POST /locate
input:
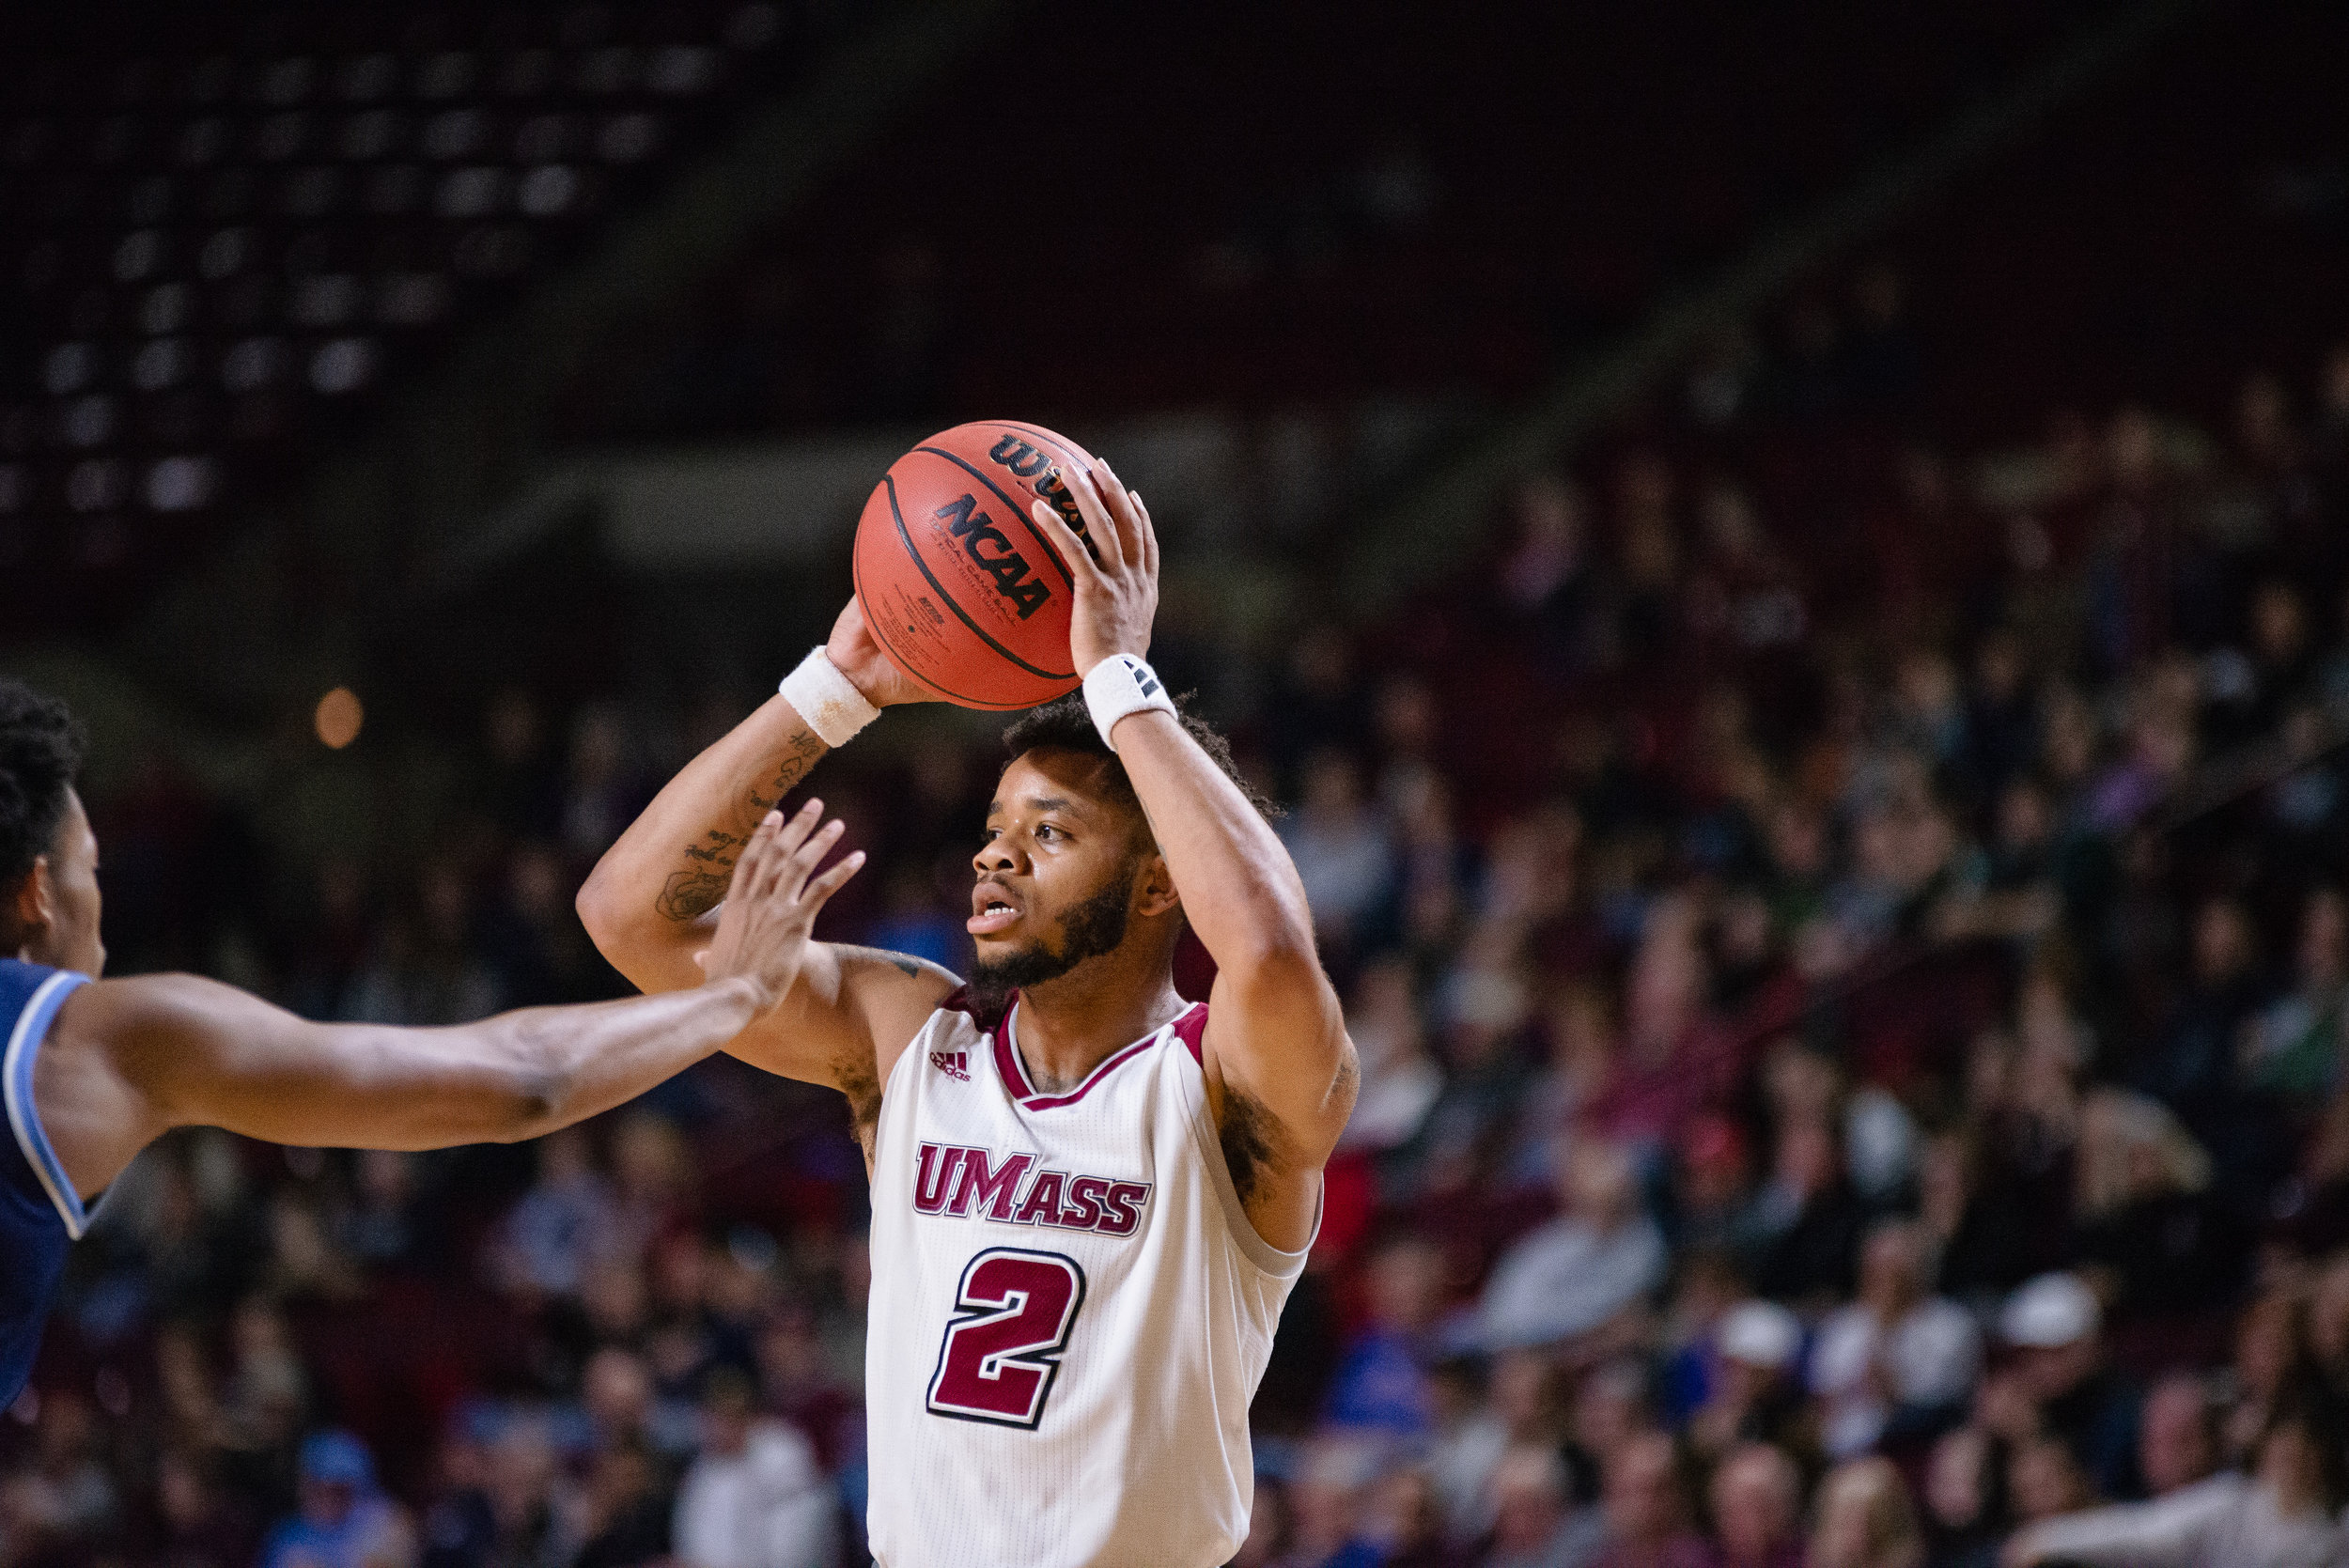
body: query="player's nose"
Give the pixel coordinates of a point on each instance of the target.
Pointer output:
(995, 855)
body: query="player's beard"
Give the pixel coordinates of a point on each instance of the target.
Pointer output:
(1093, 926)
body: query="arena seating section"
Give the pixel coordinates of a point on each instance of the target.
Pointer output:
(223, 227)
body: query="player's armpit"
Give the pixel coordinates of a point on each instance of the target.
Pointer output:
(844, 1026)
(1275, 1034)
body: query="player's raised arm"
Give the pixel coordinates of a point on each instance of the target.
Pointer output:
(171, 1051)
(1274, 1030)
(653, 897)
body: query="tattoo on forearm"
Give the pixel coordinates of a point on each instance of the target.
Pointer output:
(699, 886)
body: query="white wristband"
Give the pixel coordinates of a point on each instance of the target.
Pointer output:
(834, 707)
(1119, 685)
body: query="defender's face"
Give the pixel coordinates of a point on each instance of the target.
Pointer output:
(70, 939)
(1054, 844)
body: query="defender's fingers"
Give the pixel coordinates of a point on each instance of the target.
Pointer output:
(816, 893)
(748, 865)
(807, 856)
(800, 823)
(1097, 520)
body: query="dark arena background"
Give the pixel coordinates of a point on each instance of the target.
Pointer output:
(1789, 564)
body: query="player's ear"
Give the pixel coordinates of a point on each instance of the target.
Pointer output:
(34, 907)
(1156, 892)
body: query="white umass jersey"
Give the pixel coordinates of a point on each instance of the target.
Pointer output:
(1070, 1310)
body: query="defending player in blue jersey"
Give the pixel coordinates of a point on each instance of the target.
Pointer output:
(95, 1070)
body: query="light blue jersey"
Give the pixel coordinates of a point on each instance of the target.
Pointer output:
(41, 1214)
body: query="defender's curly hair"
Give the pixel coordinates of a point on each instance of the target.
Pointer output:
(1065, 724)
(40, 754)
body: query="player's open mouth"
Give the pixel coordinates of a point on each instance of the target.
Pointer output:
(991, 909)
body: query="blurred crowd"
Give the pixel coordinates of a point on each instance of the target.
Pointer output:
(1848, 947)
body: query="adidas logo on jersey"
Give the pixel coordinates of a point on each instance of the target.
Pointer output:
(954, 1064)
(959, 1183)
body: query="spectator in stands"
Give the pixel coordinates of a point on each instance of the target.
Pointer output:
(1900, 1362)
(1865, 1519)
(2292, 1049)
(1381, 1383)
(1331, 1502)
(752, 1497)
(1756, 1393)
(2177, 1443)
(516, 1515)
(1536, 1524)
(1344, 854)
(2060, 1384)
(2271, 1365)
(1575, 1273)
(803, 1387)
(1407, 1522)
(2146, 1219)
(1964, 1493)
(2190, 1065)
(1647, 1508)
(1807, 1218)
(2284, 1514)
(1675, 1057)
(1400, 1081)
(201, 1527)
(625, 1513)
(1551, 578)
(1756, 1501)
(343, 1521)
(62, 1503)
(562, 1224)
(2043, 1481)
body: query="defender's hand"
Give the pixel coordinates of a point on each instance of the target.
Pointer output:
(857, 656)
(770, 907)
(1117, 580)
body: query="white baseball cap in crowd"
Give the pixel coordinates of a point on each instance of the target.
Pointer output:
(2049, 1312)
(1760, 1334)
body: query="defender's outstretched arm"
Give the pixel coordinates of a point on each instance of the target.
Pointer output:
(652, 898)
(139, 1056)
(1276, 1036)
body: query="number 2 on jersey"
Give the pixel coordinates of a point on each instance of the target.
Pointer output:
(1013, 1312)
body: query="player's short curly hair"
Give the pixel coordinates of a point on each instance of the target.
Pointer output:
(40, 754)
(1064, 724)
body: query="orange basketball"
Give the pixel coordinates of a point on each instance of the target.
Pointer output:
(959, 586)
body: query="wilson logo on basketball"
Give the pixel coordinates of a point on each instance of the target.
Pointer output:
(991, 551)
(1019, 457)
(1026, 462)
(969, 1184)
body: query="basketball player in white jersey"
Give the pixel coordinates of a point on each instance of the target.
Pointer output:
(1090, 1198)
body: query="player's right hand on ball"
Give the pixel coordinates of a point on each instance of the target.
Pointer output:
(856, 655)
(770, 906)
(1114, 569)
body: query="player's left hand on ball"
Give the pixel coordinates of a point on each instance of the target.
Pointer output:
(857, 655)
(1117, 580)
(771, 904)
